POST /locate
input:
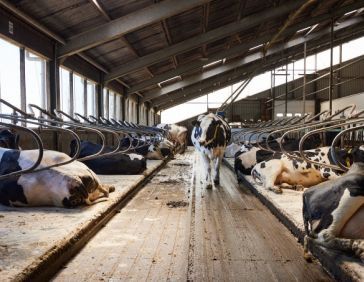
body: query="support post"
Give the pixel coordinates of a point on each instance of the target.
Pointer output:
(85, 97)
(138, 110)
(54, 91)
(23, 102)
(286, 96)
(304, 79)
(331, 82)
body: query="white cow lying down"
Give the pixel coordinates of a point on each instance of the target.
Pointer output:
(68, 185)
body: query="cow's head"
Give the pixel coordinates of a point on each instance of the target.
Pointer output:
(9, 139)
(358, 154)
(206, 128)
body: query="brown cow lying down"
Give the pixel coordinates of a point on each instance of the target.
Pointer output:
(283, 172)
(67, 186)
(333, 213)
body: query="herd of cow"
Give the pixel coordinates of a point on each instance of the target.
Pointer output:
(284, 154)
(42, 177)
(290, 154)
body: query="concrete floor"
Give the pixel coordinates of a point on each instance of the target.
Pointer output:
(28, 236)
(174, 229)
(289, 204)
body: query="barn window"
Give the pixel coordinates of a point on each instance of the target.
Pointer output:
(78, 94)
(65, 90)
(111, 104)
(106, 102)
(91, 98)
(9, 75)
(35, 80)
(118, 107)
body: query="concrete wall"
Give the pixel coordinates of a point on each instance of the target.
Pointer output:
(357, 99)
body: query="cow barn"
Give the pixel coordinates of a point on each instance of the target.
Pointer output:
(194, 140)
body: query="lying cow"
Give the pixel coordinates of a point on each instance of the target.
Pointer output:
(249, 155)
(116, 164)
(177, 135)
(231, 150)
(283, 172)
(333, 213)
(67, 186)
(8, 139)
(210, 136)
(157, 151)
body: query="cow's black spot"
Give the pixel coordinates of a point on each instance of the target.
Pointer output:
(326, 169)
(262, 165)
(295, 164)
(238, 167)
(326, 175)
(10, 190)
(322, 154)
(311, 154)
(316, 160)
(308, 166)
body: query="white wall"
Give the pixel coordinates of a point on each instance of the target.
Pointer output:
(357, 99)
(293, 107)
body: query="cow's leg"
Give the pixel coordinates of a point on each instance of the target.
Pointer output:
(100, 194)
(297, 187)
(270, 174)
(207, 166)
(217, 170)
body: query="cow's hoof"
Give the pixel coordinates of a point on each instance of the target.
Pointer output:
(276, 190)
(209, 186)
(299, 187)
(307, 256)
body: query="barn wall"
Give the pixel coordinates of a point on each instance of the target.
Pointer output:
(294, 107)
(244, 110)
(356, 99)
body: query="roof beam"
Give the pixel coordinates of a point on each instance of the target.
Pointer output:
(225, 80)
(210, 36)
(239, 49)
(270, 62)
(247, 60)
(118, 27)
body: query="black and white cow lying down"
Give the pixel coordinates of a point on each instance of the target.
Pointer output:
(283, 172)
(210, 136)
(249, 155)
(333, 213)
(177, 135)
(67, 186)
(158, 151)
(116, 164)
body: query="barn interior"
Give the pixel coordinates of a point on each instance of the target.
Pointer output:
(107, 72)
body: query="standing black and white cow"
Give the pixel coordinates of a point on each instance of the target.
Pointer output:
(284, 172)
(69, 185)
(333, 213)
(210, 136)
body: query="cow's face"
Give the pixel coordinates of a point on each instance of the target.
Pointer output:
(358, 154)
(8, 139)
(206, 130)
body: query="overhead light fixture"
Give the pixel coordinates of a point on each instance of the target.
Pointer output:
(168, 80)
(350, 13)
(256, 47)
(212, 64)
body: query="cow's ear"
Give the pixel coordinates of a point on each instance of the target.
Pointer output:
(17, 141)
(195, 123)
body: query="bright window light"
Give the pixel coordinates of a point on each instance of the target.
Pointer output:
(289, 115)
